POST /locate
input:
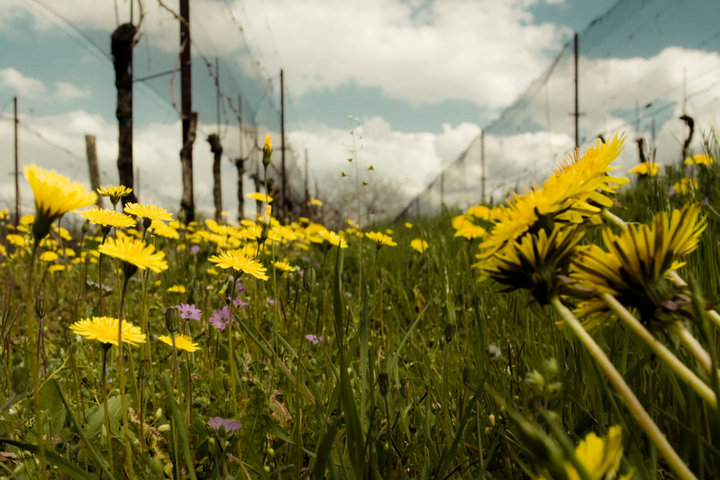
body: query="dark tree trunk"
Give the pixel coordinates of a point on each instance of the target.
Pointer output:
(122, 51)
(187, 204)
(240, 164)
(216, 149)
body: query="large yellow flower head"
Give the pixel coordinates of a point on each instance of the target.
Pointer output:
(105, 330)
(537, 262)
(637, 261)
(134, 252)
(108, 218)
(54, 196)
(576, 191)
(240, 262)
(182, 342)
(150, 212)
(260, 197)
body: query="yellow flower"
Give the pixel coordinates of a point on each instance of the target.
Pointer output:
(115, 192)
(15, 239)
(684, 185)
(238, 261)
(284, 266)
(54, 196)
(151, 212)
(176, 289)
(56, 268)
(268, 144)
(419, 245)
(260, 197)
(108, 218)
(646, 169)
(48, 256)
(27, 220)
(700, 160)
(380, 239)
(135, 252)
(638, 259)
(164, 230)
(408, 225)
(182, 342)
(315, 202)
(105, 330)
(470, 231)
(535, 262)
(480, 211)
(333, 238)
(600, 456)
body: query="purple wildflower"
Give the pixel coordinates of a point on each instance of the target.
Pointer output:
(226, 423)
(220, 318)
(195, 249)
(238, 302)
(239, 287)
(314, 339)
(270, 302)
(189, 311)
(671, 191)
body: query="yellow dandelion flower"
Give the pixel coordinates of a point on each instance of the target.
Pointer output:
(182, 342)
(48, 256)
(108, 218)
(176, 289)
(408, 225)
(314, 202)
(646, 169)
(635, 266)
(4, 213)
(151, 212)
(240, 262)
(105, 330)
(3, 251)
(260, 197)
(16, 240)
(284, 265)
(536, 262)
(114, 192)
(27, 220)
(56, 268)
(684, 185)
(381, 239)
(700, 160)
(333, 238)
(470, 231)
(135, 252)
(54, 196)
(419, 245)
(164, 230)
(480, 211)
(600, 456)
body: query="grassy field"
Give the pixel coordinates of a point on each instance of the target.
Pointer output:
(313, 353)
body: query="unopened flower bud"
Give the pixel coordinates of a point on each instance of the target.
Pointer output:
(267, 150)
(40, 308)
(172, 319)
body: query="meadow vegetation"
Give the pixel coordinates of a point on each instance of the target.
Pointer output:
(567, 333)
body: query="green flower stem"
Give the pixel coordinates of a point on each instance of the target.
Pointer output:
(106, 347)
(121, 381)
(692, 344)
(631, 402)
(679, 368)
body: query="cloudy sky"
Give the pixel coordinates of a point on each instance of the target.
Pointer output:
(419, 77)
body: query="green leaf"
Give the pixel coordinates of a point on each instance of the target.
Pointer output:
(74, 471)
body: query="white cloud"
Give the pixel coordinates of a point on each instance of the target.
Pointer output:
(67, 91)
(34, 88)
(482, 52)
(15, 81)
